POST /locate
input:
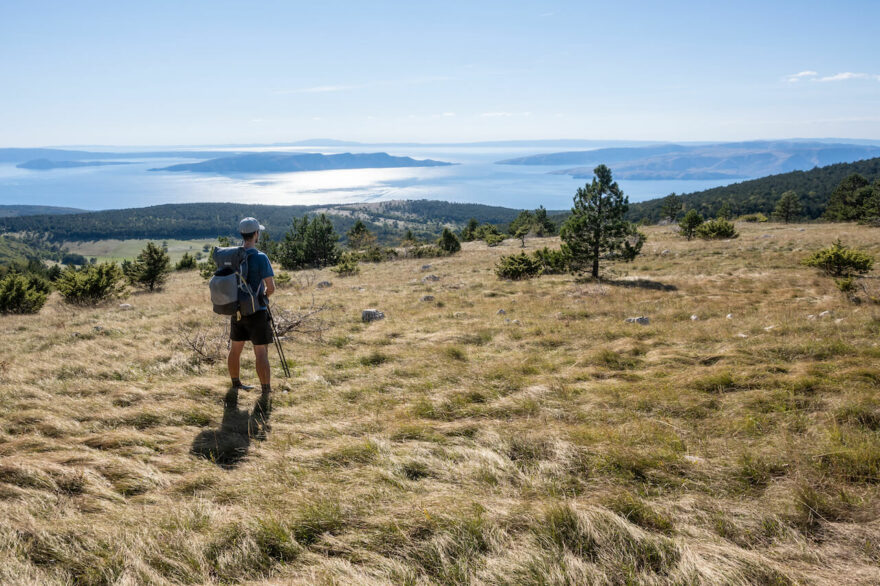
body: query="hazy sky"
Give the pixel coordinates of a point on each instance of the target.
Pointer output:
(192, 72)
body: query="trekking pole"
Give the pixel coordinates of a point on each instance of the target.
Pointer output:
(278, 345)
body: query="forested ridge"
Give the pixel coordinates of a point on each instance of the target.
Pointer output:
(387, 220)
(813, 187)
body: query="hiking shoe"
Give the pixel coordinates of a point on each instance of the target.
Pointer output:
(243, 387)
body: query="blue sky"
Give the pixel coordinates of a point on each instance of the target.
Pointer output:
(193, 72)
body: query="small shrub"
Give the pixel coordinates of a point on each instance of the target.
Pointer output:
(91, 284)
(552, 261)
(518, 266)
(347, 266)
(282, 279)
(206, 269)
(425, 251)
(493, 239)
(22, 294)
(752, 218)
(717, 229)
(840, 261)
(375, 254)
(187, 262)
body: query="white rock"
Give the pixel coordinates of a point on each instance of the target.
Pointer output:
(694, 317)
(430, 278)
(693, 459)
(729, 316)
(427, 298)
(516, 321)
(500, 312)
(369, 315)
(638, 320)
(838, 320)
(811, 316)
(125, 306)
(426, 267)
(741, 336)
(664, 252)
(768, 328)
(825, 313)
(324, 284)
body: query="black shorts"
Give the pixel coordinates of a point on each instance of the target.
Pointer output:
(253, 328)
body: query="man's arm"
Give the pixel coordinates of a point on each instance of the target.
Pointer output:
(269, 285)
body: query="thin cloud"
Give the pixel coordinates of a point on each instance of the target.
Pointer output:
(320, 89)
(846, 75)
(810, 75)
(504, 114)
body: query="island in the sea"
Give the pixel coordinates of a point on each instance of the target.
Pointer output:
(275, 162)
(47, 164)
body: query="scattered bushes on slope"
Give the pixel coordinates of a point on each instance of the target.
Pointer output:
(840, 261)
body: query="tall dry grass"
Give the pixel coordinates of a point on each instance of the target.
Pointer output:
(451, 444)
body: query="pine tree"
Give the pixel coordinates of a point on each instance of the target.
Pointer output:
(359, 237)
(150, 269)
(689, 223)
(846, 202)
(544, 226)
(671, 207)
(449, 242)
(597, 227)
(469, 232)
(789, 207)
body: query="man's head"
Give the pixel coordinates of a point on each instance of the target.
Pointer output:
(250, 229)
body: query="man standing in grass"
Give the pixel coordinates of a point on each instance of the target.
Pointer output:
(254, 328)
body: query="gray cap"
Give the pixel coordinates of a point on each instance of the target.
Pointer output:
(249, 226)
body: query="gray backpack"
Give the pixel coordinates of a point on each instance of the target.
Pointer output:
(230, 292)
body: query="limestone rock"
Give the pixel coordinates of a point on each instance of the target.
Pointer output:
(431, 278)
(125, 306)
(426, 267)
(369, 315)
(427, 298)
(500, 312)
(324, 284)
(642, 320)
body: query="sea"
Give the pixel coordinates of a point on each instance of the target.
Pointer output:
(475, 178)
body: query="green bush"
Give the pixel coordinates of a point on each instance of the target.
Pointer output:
(22, 294)
(187, 262)
(449, 242)
(206, 269)
(493, 239)
(91, 284)
(839, 261)
(347, 265)
(552, 261)
(717, 229)
(425, 251)
(282, 279)
(375, 254)
(752, 218)
(518, 266)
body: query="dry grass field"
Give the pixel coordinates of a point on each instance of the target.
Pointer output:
(452, 444)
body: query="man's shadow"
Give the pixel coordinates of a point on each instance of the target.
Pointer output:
(228, 445)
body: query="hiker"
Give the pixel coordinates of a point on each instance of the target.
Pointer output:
(254, 328)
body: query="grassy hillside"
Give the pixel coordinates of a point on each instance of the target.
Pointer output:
(813, 187)
(451, 444)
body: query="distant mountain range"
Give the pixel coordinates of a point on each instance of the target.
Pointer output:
(709, 161)
(293, 162)
(46, 164)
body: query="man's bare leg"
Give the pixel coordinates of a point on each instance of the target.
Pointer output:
(261, 354)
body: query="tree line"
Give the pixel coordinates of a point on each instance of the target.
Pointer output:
(814, 189)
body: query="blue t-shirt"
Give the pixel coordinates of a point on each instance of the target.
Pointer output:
(259, 268)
